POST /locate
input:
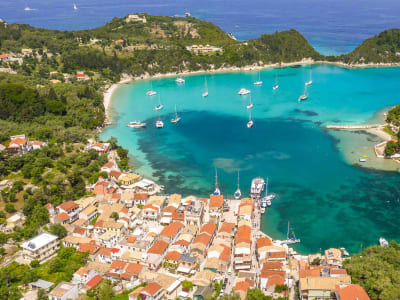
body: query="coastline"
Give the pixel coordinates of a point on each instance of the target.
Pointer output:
(107, 97)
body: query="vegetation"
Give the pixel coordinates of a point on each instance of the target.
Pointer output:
(393, 119)
(377, 270)
(257, 294)
(58, 230)
(187, 285)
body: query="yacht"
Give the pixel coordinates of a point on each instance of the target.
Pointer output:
(177, 118)
(266, 200)
(257, 186)
(258, 82)
(310, 81)
(250, 105)
(363, 159)
(250, 122)
(75, 7)
(151, 92)
(216, 191)
(291, 240)
(304, 96)
(205, 94)
(262, 210)
(159, 123)
(383, 242)
(136, 124)
(27, 8)
(159, 105)
(244, 92)
(180, 80)
(276, 86)
(237, 193)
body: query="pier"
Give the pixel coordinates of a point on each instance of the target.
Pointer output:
(352, 127)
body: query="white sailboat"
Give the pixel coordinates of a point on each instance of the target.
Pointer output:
(290, 240)
(310, 81)
(205, 94)
(27, 8)
(159, 123)
(304, 96)
(243, 92)
(250, 122)
(258, 82)
(266, 200)
(276, 86)
(238, 193)
(75, 7)
(216, 191)
(136, 124)
(159, 106)
(250, 105)
(180, 80)
(151, 92)
(177, 118)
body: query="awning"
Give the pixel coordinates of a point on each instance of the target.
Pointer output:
(182, 269)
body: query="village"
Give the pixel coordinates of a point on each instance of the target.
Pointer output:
(173, 246)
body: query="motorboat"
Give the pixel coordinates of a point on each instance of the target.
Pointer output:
(136, 124)
(159, 123)
(383, 242)
(257, 186)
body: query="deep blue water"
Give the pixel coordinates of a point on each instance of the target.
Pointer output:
(332, 26)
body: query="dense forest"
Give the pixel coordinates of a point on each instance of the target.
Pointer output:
(377, 270)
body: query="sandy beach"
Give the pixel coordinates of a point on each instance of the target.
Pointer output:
(107, 96)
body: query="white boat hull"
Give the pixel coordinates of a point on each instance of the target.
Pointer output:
(176, 120)
(258, 83)
(275, 87)
(250, 124)
(249, 106)
(158, 107)
(205, 94)
(151, 93)
(302, 98)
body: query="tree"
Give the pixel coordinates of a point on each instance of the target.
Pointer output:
(316, 261)
(58, 230)
(115, 216)
(391, 148)
(9, 208)
(34, 263)
(105, 291)
(187, 285)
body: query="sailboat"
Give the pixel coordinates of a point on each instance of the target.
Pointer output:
(310, 81)
(216, 191)
(250, 105)
(258, 82)
(276, 86)
(304, 96)
(266, 200)
(176, 119)
(250, 122)
(159, 106)
(27, 8)
(243, 91)
(159, 123)
(75, 7)
(180, 80)
(151, 92)
(205, 94)
(238, 193)
(293, 239)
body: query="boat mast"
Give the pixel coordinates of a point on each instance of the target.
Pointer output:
(266, 188)
(216, 179)
(250, 115)
(176, 114)
(288, 228)
(205, 78)
(238, 180)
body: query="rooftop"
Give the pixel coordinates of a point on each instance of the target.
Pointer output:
(39, 241)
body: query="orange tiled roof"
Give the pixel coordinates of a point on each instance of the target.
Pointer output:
(275, 280)
(118, 264)
(182, 242)
(173, 255)
(227, 227)
(178, 216)
(272, 265)
(105, 251)
(216, 201)
(243, 235)
(170, 209)
(202, 238)
(92, 248)
(151, 289)
(110, 164)
(115, 174)
(62, 217)
(140, 196)
(171, 230)
(134, 269)
(337, 271)
(303, 273)
(279, 254)
(225, 254)
(68, 206)
(159, 247)
(352, 292)
(131, 239)
(79, 230)
(262, 242)
(208, 228)
(268, 273)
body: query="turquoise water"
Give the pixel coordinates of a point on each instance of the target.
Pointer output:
(329, 199)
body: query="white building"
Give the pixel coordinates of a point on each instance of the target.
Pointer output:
(40, 247)
(64, 291)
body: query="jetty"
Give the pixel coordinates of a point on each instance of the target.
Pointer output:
(352, 127)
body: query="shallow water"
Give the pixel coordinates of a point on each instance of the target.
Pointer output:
(329, 199)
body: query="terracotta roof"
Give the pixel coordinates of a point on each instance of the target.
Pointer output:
(80, 75)
(352, 292)
(159, 247)
(140, 196)
(82, 270)
(268, 273)
(170, 209)
(92, 248)
(173, 255)
(134, 269)
(243, 285)
(62, 217)
(151, 289)
(115, 174)
(48, 205)
(208, 228)
(182, 242)
(272, 265)
(227, 227)
(94, 281)
(3, 56)
(309, 273)
(150, 207)
(105, 251)
(68, 205)
(225, 254)
(216, 201)
(19, 141)
(171, 230)
(178, 216)
(118, 264)
(337, 271)
(202, 238)
(262, 242)
(110, 164)
(116, 195)
(275, 280)
(79, 230)
(279, 254)
(131, 239)
(243, 235)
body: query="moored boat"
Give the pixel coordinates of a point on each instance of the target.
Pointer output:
(205, 94)
(309, 82)
(258, 82)
(243, 92)
(151, 92)
(177, 118)
(383, 242)
(291, 240)
(250, 122)
(159, 105)
(262, 210)
(217, 190)
(159, 123)
(180, 80)
(276, 86)
(257, 186)
(136, 124)
(250, 105)
(304, 96)
(237, 193)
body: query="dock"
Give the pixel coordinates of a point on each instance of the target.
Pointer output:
(352, 127)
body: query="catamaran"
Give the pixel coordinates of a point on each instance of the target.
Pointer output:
(276, 86)
(238, 193)
(250, 122)
(176, 119)
(244, 92)
(310, 81)
(180, 80)
(151, 92)
(136, 124)
(304, 96)
(216, 191)
(258, 82)
(250, 105)
(205, 94)
(75, 7)
(257, 186)
(159, 123)
(266, 200)
(159, 106)
(293, 239)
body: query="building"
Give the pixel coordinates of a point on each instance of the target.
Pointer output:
(19, 144)
(81, 76)
(203, 49)
(99, 147)
(351, 292)
(152, 291)
(194, 213)
(320, 288)
(67, 212)
(40, 248)
(136, 18)
(333, 257)
(129, 178)
(64, 291)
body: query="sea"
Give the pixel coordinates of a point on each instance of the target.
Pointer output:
(331, 26)
(327, 195)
